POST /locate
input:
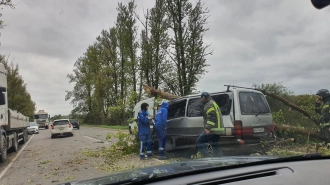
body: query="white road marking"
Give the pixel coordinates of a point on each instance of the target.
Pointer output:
(92, 138)
(7, 168)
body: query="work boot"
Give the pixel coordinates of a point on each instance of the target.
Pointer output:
(162, 157)
(142, 157)
(149, 155)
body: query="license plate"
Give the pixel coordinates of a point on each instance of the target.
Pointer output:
(258, 129)
(61, 128)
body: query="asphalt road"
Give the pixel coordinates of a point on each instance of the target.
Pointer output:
(52, 161)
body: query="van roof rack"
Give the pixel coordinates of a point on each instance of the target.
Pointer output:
(229, 86)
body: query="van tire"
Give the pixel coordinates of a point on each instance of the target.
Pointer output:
(169, 144)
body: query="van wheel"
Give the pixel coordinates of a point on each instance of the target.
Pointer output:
(169, 144)
(3, 149)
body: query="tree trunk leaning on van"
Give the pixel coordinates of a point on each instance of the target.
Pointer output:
(302, 131)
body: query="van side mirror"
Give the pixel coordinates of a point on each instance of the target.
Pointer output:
(319, 4)
(2, 99)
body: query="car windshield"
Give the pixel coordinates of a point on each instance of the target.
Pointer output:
(40, 116)
(33, 124)
(148, 83)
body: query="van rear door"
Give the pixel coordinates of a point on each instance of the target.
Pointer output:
(254, 113)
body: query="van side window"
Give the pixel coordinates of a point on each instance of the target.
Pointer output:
(223, 102)
(177, 109)
(195, 107)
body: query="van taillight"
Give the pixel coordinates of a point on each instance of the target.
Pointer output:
(69, 125)
(270, 128)
(52, 126)
(238, 129)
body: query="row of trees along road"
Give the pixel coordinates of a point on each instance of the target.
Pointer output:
(18, 97)
(168, 54)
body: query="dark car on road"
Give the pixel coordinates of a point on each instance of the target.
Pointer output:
(75, 123)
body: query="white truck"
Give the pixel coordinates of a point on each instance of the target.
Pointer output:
(13, 125)
(42, 119)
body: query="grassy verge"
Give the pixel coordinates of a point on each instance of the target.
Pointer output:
(118, 127)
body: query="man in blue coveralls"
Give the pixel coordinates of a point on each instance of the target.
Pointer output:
(144, 131)
(160, 127)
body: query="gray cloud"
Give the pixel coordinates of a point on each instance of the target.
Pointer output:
(253, 42)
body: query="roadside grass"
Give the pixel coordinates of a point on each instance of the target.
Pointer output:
(117, 127)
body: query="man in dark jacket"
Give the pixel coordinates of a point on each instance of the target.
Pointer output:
(160, 128)
(213, 127)
(144, 131)
(324, 95)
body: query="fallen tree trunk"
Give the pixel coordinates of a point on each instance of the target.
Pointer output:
(298, 130)
(157, 93)
(293, 106)
(285, 141)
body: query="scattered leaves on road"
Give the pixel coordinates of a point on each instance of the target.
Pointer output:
(67, 178)
(45, 162)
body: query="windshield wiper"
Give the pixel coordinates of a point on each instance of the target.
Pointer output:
(136, 179)
(307, 156)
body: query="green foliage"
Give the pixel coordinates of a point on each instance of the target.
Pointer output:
(125, 146)
(106, 76)
(278, 117)
(284, 114)
(18, 97)
(189, 58)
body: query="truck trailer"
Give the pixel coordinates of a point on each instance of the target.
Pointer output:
(13, 125)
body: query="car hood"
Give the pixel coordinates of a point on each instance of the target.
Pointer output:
(171, 169)
(31, 127)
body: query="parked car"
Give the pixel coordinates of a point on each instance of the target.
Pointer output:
(33, 128)
(246, 116)
(75, 123)
(61, 127)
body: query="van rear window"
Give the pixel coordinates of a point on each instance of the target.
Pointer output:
(253, 103)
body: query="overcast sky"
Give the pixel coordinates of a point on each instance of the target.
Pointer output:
(253, 41)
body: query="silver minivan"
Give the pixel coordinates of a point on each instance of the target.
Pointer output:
(246, 115)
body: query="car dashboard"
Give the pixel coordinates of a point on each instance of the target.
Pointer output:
(293, 173)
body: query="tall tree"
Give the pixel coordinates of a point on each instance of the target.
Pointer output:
(127, 44)
(188, 25)
(18, 97)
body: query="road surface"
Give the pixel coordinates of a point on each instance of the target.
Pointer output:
(52, 161)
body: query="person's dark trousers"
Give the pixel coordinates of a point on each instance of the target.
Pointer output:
(213, 140)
